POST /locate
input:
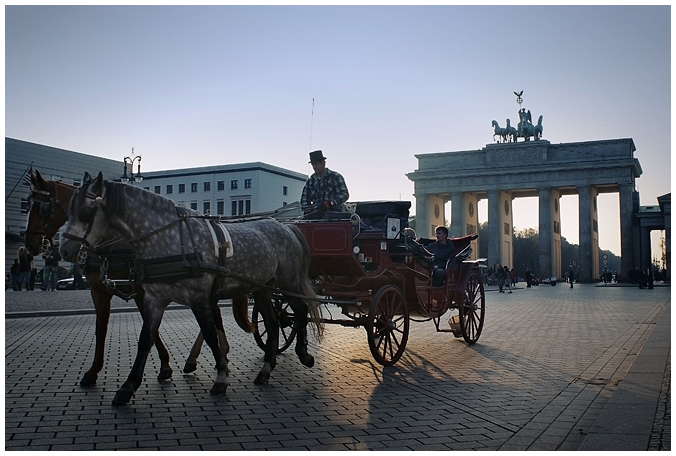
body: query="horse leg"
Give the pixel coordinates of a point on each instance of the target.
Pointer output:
(102, 306)
(191, 362)
(152, 317)
(264, 306)
(208, 325)
(300, 311)
(165, 369)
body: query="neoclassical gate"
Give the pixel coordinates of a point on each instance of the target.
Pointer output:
(504, 171)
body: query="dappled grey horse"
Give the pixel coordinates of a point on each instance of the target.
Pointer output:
(181, 257)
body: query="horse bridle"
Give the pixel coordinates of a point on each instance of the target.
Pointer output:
(46, 209)
(86, 215)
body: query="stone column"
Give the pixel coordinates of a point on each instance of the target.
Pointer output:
(588, 232)
(627, 228)
(494, 228)
(457, 215)
(422, 220)
(646, 260)
(545, 231)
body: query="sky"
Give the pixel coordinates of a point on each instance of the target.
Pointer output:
(372, 86)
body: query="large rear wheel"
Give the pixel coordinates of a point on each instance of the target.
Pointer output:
(285, 318)
(473, 309)
(388, 325)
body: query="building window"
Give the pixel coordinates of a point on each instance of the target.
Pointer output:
(146, 188)
(207, 186)
(157, 189)
(170, 189)
(207, 208)
(220, 185)
(241, 206)
(193, 187)
(77, 182)
(247, 183)
(220, 207)
(181, 188)
(233, 184)
(285, 190)
(24, 206)
(193, 205)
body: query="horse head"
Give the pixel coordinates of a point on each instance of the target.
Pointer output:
(48, 212)
(88, 223)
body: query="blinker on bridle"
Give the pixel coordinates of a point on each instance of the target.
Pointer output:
(46, 210)
(85, 215)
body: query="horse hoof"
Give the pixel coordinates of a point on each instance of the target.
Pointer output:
(165, 374)
(89, 379)
(122, 397)
(219, 388)
(189, 367)
(262, 378)
(308, 360)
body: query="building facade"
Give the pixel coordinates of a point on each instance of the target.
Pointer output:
(502, 172)
(228, 190)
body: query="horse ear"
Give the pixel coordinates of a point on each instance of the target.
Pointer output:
(38, 179)
(87, 178)
(97, 184)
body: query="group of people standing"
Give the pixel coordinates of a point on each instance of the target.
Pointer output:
(24, 274)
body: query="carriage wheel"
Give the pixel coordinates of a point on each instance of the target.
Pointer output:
(387, 326)
(287, 324)
(473, 308)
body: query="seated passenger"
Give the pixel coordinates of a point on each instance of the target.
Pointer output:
(325, 191)
(442, 249)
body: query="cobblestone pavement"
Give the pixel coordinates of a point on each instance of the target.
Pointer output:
(539, 378)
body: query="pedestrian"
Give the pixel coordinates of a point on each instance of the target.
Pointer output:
(513, 276)
(571, 277)
(52, 258)
(500, 273)
(15, 271)
(508, 279)
(34, 275)
(529, 278)
(324, 192)
(25, 260)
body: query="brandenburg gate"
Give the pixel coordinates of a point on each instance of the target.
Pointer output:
(503, 171)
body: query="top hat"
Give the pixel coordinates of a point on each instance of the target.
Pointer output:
(317, 156)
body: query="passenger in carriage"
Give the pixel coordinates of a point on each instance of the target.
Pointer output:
(324, 192)
(442, 249)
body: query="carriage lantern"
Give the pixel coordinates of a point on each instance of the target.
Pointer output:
(130, 161)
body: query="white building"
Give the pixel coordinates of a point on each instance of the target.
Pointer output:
(228, 190)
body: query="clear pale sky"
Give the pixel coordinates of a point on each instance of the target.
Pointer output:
(211, 85)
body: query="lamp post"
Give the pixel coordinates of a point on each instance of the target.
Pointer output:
(131, 177)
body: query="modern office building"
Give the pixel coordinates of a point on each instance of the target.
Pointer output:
(234, 189)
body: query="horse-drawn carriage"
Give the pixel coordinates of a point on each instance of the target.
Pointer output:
(371, 266)
(367, 263)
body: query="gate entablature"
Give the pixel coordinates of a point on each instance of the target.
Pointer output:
(524, 167)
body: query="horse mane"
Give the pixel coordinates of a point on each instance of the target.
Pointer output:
(115, 201)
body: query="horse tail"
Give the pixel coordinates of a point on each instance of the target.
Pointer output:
(314, 308)
(240, 310)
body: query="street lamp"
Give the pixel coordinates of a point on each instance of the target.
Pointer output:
(130, 161)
